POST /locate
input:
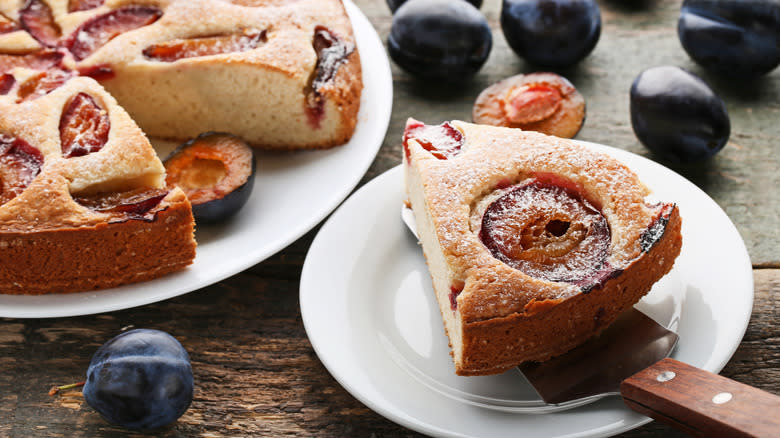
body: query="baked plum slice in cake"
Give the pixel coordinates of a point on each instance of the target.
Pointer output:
(37, 19)
(175, 50)
(216, 171)
(20, 163)
(97, 31)
(542, 102)
(534, 243)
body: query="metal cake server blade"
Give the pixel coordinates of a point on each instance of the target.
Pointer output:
(630, 359)
(596, 368)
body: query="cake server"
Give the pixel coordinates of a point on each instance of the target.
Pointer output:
(630, 359)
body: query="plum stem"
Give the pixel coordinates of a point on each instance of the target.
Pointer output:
(56, 389)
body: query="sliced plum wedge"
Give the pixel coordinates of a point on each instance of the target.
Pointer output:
(7, 82)
(39, 60)
(84, 5)
(7, 25)
(548, 231)
(84, 126)
(175, 50)
(331, 52)
(42, 83)
(97, 31)
(217, 173)
(37, 19)
(20, 163)
(137, 203)
(442, 141)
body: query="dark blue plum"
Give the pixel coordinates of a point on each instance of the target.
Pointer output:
(735, 38)
(395, 4)
(441, 40)
(676, 115)
(553, 33)
(140, 379)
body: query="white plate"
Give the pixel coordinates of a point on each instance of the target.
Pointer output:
(370, 313)
(293, 193)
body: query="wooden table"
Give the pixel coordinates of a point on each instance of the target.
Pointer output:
(255, 370)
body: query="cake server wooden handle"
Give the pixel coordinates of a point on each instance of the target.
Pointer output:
(702, 403)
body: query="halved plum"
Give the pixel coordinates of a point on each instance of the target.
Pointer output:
(216, 171)
(542, 102)
(549, 232)
(20, 163)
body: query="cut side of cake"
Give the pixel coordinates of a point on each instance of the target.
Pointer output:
(83, 202)
(279, 74)
(534, 243)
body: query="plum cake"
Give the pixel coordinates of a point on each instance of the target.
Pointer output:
(83, 200)
(281, 74)
(534, 243)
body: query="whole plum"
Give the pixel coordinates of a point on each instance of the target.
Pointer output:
(737, 38)
(442, 40)
(395, 4)
(676, 115)
(555, 33)
(140, 379)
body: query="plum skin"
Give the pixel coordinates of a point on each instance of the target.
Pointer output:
(554, 33)
(675, 114)
(441, 40)
(395, 4)
(734, 38)
(141, 379)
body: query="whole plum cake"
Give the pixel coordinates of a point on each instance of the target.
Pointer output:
(281, 74)
(534, 243)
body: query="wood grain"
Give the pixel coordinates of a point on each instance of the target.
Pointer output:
(255, 370)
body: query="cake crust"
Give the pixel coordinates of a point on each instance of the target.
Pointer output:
(497, 316)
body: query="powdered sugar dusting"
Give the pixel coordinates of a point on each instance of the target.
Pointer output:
(547, 232)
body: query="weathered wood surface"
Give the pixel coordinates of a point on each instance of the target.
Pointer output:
(256, 373)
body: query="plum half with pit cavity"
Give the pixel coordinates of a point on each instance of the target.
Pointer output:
(217, 173)
(541, 102)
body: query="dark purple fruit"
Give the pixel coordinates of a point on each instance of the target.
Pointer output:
(555, 33)
(216, 171)
(676, 115)
(141, 379)
(547, 231)
(395, 4)
(441, 40)
(737, 38)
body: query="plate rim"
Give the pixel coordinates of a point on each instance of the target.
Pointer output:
(419, 425)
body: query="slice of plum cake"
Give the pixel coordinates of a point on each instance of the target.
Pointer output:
(534, 243)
